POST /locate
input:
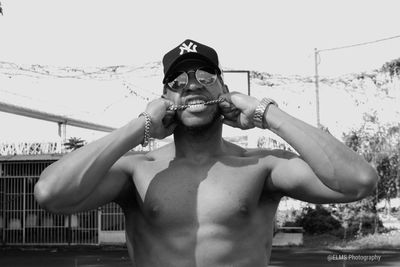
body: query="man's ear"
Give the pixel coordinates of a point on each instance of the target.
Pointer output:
(225, 89)
(164, 93)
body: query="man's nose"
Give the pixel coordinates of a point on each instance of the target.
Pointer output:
(193, 84)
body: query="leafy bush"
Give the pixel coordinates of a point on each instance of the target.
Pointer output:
(393, 67)
(318, 221)
(367, 222)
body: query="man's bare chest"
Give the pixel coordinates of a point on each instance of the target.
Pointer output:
(182, 193)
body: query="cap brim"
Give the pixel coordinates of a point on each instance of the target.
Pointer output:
(188, 56)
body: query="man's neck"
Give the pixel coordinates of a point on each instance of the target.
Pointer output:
(199, 145)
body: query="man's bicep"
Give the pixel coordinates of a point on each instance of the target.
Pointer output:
(111, 187)
(294, 178)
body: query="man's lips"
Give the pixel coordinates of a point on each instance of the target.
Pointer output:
(195, 99)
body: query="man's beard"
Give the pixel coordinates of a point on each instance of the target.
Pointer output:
(200, 129)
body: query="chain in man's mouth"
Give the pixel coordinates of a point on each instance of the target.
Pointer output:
(183, 107)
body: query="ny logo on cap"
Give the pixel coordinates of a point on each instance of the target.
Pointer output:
(188, 48)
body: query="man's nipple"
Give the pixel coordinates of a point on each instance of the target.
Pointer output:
(154, 211)
(244, 210)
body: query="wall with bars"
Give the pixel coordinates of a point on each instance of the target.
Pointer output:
(24, 222)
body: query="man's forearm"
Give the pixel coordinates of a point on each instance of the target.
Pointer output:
(72, 178)
(336, 165)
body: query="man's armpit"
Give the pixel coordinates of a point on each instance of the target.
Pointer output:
(126, 197)
(271, 191)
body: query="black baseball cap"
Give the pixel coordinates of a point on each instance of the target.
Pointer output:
(190, 49)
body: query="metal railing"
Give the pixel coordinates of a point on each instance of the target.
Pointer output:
(24, 222)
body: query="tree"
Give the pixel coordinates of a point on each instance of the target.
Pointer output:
(74, 143)
(388, 171)
(379, 145)
(393, 67)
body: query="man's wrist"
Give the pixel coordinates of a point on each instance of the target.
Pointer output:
(147, 125)
(259, 117)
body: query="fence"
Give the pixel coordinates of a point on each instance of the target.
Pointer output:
(23, 222)
(27, 148)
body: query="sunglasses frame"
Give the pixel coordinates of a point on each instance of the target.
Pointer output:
(195, 75)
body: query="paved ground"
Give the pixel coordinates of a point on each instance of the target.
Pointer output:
(281, 257)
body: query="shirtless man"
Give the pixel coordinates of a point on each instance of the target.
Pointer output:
(202, 201)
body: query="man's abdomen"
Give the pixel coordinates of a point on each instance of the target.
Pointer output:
(192, 216)
(244, 243)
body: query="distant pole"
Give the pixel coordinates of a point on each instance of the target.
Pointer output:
(317, 86)
(248, 82)
(62, 131)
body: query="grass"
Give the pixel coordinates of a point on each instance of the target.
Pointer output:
(321, 241)
(389, 240)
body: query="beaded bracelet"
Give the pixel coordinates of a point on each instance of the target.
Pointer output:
(147, 125)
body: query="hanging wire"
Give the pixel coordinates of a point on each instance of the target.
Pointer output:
(359, 44)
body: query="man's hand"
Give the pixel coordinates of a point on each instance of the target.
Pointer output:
(238, 110)
(163, 123)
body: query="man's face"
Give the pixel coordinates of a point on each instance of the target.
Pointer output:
(194, 94)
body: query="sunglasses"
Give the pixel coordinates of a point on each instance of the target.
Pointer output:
(204, 75)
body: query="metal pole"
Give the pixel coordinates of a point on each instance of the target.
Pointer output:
(248, 82)
(99, 234)
(3, 214)
(62, 133)
(317, 86)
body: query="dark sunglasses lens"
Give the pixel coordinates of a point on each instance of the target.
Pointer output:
(179, 81)
(206, 75)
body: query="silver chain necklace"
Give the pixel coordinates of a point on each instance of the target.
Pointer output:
(182, 107)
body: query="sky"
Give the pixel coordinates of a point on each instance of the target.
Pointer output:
(268, 36)
(272, 36)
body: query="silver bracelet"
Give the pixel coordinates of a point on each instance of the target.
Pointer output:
(147, 125)
(261, 109)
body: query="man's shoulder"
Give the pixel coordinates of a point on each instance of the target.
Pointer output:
(131, 159)
(152, 155)
(134, 156)
(264, 153)
(259, 153)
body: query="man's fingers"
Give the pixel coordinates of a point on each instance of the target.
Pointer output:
(168, 119)
(226, 97)
(170, 113)
(231, 100)
(230, 122)
(231, 114)
(172, 127)
(226, 106)
(167, 103)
